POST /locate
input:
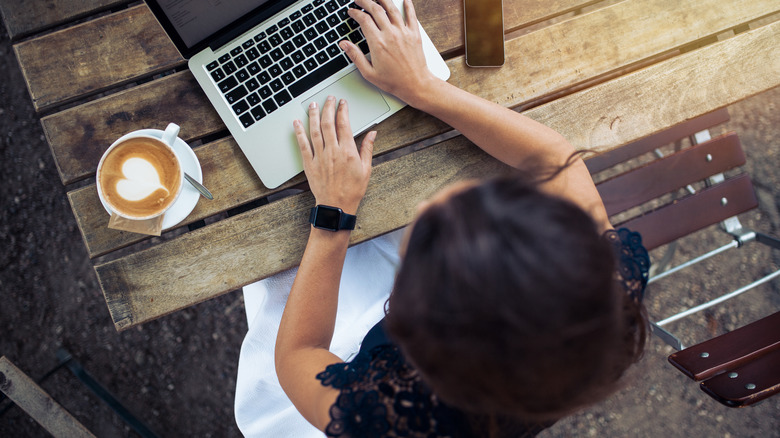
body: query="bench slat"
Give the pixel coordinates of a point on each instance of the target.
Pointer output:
(614, 157)
(662, 176)
(707, 203)
(729, 350)
(764, 373)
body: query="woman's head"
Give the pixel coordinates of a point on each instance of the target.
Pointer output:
(505, 303)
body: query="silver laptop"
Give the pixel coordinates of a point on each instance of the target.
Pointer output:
(261, 62)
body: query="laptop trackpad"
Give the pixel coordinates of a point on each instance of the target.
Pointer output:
(365, 101)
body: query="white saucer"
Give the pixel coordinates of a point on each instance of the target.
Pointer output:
(188, 198)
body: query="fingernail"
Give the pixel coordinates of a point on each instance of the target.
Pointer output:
(297, 123)
(342, 102)
(313, 105)
(331, 98)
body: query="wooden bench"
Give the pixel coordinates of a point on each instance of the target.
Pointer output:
(741, 367)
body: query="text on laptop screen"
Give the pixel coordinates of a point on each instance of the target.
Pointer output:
(195, 20)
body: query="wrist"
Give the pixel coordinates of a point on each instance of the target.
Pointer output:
(331, 218)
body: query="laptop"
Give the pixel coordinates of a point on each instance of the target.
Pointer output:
(261, 62)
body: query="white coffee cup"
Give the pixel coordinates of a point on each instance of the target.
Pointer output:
(140, 176)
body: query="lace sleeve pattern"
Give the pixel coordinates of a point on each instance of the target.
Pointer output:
(633, 261)
(383, 395)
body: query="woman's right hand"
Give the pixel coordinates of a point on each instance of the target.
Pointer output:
(397, 63)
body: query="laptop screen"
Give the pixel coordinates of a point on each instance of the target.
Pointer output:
(193, 24)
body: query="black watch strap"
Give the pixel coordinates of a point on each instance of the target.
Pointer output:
(331, 218)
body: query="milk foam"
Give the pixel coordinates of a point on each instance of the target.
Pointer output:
(140, 180)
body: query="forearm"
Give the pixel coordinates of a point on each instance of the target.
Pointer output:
(310, 313)
(505, 134)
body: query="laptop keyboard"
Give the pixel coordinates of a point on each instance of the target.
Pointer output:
(286, 59)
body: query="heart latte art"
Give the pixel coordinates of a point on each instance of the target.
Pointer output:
(140, 177)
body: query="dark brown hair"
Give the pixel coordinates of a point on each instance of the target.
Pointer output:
(506, 303)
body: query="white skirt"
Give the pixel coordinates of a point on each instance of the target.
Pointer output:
(262, 408)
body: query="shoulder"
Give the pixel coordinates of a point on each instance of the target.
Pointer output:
(632, 260)
(383, 395)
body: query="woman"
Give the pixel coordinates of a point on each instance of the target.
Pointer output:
(507, 311)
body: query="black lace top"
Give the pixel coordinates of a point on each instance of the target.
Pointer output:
(383, 395)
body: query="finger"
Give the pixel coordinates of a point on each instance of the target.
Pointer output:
(303, 142)
(343, 128)
(366, 22)
(356, 55)
(393, 14)
(328, 123)
(315, 131)
(376, 11)
(367, 149)
(411, 15)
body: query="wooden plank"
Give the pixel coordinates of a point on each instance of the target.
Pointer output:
(78, 136)
(755, 381)
(24, 17)
(694, 212)
(670, 173)
(260, 242)
(443, 20)
(37, 403)
(266, 240)
(679, 89)
(93, 56)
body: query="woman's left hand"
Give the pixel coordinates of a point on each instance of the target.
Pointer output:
(337, 171)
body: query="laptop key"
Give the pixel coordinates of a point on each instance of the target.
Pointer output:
(309, 19)
(264, 47)
(309, 50)
(310, 33)
(218, 75)
(288, 78)
(282, 98)
(258, 112)
(227, 84)
(241, 61)
(275, 70)
(318, 76)
(247, 44)
(322, 57)
(242, 75)
(277, 54)
(320, 13)
(364, 47)
(236, 95)
(212, 65)
(264, 77)
(275, 40)
(299, 40)
(318, 2)
(247, 120)
(252, 84)
(310, 64)
(288, 47)
(236, 51)
(265, 92)
(298, 26)
(286, 33)
(229, 67)
(333, 20)
(269, 106)
(265, 61)
(271, 29)
(253, 68)
(307, 8)
(322, 27)
(294, 15)
(276, 85)
(252, 54)
(224, 58)
(253, 99)
(286, 64)
(299, 71)
(343, 29)
(297, 57)
(240, 107)
(331, 5)
(259, 37)
(320, 42)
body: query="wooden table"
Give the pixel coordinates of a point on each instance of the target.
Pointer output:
(601, 73)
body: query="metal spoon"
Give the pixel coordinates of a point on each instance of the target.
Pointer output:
(199, 187)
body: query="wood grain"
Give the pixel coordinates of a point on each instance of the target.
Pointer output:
(24, 17)
(78, 136)
(39, 405)
(263, 241)
(93, 56)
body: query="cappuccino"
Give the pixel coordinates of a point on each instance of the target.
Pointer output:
(139, 177)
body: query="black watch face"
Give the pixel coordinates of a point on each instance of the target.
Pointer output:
(327, 217)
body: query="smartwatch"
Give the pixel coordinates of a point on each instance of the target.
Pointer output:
(331, 218)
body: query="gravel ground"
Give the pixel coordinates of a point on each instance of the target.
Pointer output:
(178, 373)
